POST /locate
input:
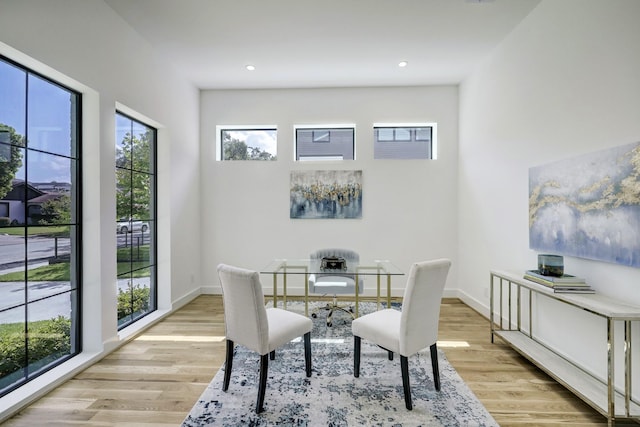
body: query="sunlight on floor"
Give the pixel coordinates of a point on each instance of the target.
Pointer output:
(453, 344)
(180, 338)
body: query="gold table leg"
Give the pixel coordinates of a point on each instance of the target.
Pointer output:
(275, 290)
(357, 292)
(306, 293)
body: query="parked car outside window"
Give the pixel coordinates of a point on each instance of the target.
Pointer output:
(131, 225)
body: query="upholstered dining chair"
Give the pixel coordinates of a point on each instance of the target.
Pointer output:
(334, 282)
(411, 329)
(249, 323)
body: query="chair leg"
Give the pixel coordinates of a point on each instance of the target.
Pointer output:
(390, 354)
(404, 366)
(272, 355)
(356, 356)
(434, 365)
(262, 386)
(307, 353)
(228, 364)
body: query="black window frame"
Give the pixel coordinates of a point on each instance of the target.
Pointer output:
(324, 142)
(151, 220)
(403, 141)
(75, 236)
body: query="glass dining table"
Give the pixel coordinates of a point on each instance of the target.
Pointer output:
(284, 267)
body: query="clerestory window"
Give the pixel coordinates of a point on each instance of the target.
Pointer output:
(325, 142)
(404, 141)
(246, 143)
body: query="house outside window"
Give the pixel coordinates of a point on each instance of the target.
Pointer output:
(404, 141)
(326, 142)
(135, 225)
(246, 143)
(40, 226)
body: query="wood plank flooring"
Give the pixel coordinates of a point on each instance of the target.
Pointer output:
(157, 377)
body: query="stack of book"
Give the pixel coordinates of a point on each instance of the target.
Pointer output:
(563, 284)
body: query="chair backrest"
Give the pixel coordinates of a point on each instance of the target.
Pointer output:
(350, 256)
(245, 315)
(421, 305)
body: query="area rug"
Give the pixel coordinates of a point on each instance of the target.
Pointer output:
(332, 396)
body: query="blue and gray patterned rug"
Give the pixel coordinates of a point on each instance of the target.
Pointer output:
(332, 396)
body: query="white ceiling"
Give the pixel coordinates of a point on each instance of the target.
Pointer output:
(323, 43)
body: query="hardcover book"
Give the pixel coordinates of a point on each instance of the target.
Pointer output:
(565, 278)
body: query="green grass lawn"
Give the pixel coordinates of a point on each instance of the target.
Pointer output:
(55, 231)
(61, 271)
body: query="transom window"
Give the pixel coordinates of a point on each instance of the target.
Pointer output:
(246, 143)
(404, 141)
(329, 142)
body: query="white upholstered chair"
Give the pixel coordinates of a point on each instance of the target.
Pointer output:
(249, 323)
(414, 328)
(334, 282)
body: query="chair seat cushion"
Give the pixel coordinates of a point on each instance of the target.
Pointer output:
(285, 325)
(380, 327)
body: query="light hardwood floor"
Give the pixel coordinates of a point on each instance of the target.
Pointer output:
(156, 378)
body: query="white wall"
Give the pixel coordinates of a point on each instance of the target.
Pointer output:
(409, 206)
(564, 83)
(85, 45)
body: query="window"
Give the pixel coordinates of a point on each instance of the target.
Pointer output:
(325, 142)
(135, 226)
(404, 141)
(40, 246)
(247, 143)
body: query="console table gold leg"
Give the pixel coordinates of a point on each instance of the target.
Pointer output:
(306, 293)
(275, 290)
(378, 292)
(284, 291)
(357, 288)
(388, 291)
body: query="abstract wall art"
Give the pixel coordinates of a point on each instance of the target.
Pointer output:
(588, 206)
(325, 194)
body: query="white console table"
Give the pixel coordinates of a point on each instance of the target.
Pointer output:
(615, 404)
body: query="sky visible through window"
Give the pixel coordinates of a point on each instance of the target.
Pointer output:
(265, 140)
(47, 131)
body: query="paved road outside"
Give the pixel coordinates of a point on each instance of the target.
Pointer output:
(40, 250)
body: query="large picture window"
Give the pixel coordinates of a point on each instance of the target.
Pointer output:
(136, 219)
(320, 143)
(40, 227)
(404, 141)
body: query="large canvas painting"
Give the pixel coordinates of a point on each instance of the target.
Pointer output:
(326, 194)
(588, 206)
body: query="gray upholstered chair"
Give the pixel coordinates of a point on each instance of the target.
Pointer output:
(249, 323)
(334, 282)
(414, 328)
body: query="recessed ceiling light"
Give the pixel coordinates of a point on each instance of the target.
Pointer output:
(250, 67)
(403, 64)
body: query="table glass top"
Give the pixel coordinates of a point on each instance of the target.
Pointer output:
(309, 266)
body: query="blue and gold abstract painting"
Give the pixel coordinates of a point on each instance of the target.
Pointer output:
(588, 206)
(325, 194)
